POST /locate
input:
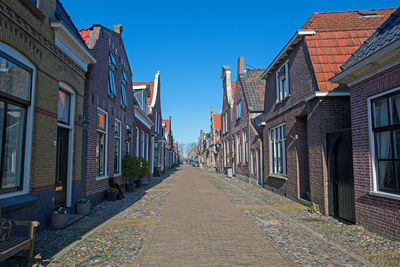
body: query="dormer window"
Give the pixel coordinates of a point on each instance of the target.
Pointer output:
(112, 67)
(124, 83)
(239, 110)
(141, 97)
(282, 82)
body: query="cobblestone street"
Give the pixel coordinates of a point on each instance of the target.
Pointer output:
(197, 218)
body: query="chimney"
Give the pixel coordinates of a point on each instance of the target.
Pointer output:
(118, 28)
(240, 67)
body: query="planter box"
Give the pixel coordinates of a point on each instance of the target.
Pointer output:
(59, 221)
(83, 208)
(129, 187)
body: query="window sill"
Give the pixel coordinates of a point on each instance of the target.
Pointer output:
(283, 100)
(117, 175)
(384, 194)
(99, 178)
(277, 176)
(17, 202)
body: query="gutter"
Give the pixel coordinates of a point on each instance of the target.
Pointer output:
(296, 38)
(326, 94)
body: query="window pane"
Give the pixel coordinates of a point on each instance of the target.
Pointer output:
(396, 144)
(100, 146)
(112, 59)
(111, 82)
(383, 145)
(64, 103)
(117, 128)
(124, 102)
(386, 175)
(395, 109)
(14, 80)
(101, 121)
(380, 111)
(116, 155)
(14, 134)
(2, 111)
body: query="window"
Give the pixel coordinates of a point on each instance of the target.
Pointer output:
(124, 83)
(245, 153)
(15, 92)
(101, 144)
(137, 142)
(147, 147)
(278, 150)
(64, 103)
(253, 161)
(239, 148)
(156, 122)
(386, 130)
(142, 145)
(239, 109)
(112, 67)
(282, 82)
(117, 147)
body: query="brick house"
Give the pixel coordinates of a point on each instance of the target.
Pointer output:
(228, 92)
(108, 110)
(247, 110)
(42, 73)
(143, 123)
(168, 144)
(154, 112)
(214, 146)
(305, 115)
(373, 76)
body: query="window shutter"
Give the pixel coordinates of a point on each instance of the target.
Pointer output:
(286, 80)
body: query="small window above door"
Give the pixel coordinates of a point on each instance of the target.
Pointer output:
(64, 106)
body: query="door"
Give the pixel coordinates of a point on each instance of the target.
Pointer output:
(259, 169)
(341, 175)
(62, 167)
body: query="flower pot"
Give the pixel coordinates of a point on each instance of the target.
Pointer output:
(83, 208)
(129, 187)
(111, 196)
(59, 221)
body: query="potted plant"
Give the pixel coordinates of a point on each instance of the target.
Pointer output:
(83, 206)
(130, 170)
(59, 218)
(144, 171)
(112, 194)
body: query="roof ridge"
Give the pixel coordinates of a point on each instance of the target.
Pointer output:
(348, 11)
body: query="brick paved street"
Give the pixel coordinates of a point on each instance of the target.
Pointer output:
(197, 218)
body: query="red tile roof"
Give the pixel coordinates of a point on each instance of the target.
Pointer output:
(217, 121)
(233, 85)
(338, 35)
(150, 98)
(85, 33)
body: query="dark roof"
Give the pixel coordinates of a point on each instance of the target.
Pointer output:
(386, 34)
(253, 89)
(62, 16)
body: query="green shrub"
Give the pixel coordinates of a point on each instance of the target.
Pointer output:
(131, 168)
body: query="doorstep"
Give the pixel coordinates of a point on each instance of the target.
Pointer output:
(73, 218)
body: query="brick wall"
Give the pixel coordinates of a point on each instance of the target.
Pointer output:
(96, 96)
(378, 213)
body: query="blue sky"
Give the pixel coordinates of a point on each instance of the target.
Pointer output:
(189, 41)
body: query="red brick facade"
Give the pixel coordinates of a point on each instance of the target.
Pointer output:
(376, 212)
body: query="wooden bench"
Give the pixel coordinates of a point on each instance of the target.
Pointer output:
(13, 245)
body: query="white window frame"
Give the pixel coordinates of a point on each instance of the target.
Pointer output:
(245, 146)
(375, 188)
(282, 93)
(254, 164)
(239, 109)
(142, 145)
(113, 68)
(238, 147)
(273, 153)
(137, 141)
(147, 147)
(120, 147)
(105, 175)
